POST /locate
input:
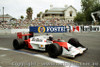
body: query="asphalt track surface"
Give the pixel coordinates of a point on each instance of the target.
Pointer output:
(91, 58)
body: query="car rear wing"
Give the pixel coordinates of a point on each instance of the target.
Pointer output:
(20, 35)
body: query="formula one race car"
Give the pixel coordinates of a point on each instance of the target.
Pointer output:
(47, 43)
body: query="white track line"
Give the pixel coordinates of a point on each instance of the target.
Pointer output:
(58, 61)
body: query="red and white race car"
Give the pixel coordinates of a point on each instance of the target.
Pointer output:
(46, 43)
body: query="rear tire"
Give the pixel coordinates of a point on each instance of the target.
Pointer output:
(54, 50)
(18, 44)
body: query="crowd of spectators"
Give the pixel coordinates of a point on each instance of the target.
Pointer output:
(22, 24)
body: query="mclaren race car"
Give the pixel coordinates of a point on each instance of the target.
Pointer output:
(47, 43)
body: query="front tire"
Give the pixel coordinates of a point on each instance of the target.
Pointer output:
(75, 42)
(18, 44)
(54, 50)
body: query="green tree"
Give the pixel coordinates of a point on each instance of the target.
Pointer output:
(46, 10)
(22, 17)
(96, 7)
(14, 19)
(29, 12)
(89, 6)
(80, 18)
(38, 15)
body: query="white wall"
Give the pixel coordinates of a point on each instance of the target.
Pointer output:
(5, 31)
(86, 28)
(19, 30)
(95, 28)
(12, 31)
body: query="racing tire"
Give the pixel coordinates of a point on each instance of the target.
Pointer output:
(18, 44)
(54, 50)
(75, 42)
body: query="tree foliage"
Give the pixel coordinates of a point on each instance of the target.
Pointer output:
(14, 19)
(29, 12)
(88, 6)
(22, 17)
(38, 15)
(80, 17)
(46, 10)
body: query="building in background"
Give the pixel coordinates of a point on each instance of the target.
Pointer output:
(67, 13)
(6, 18)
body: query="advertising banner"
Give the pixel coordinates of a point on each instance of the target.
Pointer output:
(87, 28)
(48, 29)
(75, 28)
(95, 28)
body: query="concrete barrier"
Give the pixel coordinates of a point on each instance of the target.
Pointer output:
(5, 31)
(72, 28)
(19, 30)
(75, 28)
(95, 28)
(12, 31)
(86, 29)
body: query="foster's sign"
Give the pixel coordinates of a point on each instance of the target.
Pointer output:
(48, 29)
